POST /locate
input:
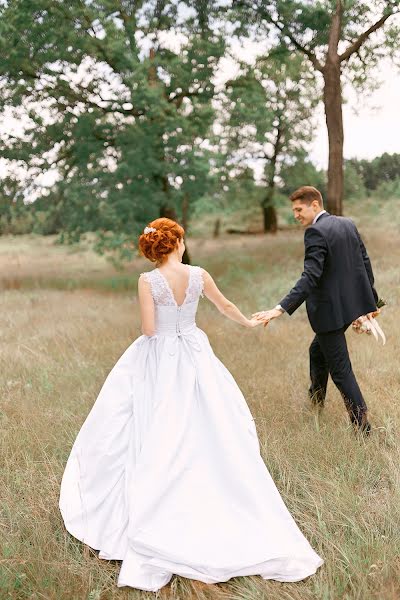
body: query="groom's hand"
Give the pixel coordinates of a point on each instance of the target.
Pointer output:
(268, 315)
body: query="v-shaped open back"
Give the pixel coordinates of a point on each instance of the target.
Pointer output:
(185, 290)
(161, 289)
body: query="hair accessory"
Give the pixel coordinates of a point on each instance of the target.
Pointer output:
(149, 230)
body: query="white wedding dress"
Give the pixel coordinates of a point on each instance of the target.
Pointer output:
(166, 474)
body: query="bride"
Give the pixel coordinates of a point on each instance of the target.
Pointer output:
(166, 474)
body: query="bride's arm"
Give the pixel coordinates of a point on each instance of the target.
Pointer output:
(146, 307)
(225, 306)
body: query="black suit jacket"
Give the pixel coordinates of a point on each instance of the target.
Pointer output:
(337, 282)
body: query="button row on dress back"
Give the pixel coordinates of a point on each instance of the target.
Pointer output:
(178, 324)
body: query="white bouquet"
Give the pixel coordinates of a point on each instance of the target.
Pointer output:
(369, 325)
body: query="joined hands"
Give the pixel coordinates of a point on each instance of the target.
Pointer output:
(253, 322)
(265, 316)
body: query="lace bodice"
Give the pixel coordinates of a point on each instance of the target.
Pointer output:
(162, 293)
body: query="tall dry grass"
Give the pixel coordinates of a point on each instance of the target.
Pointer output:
(57, 346)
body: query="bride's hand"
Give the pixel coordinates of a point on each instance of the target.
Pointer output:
(256, 322)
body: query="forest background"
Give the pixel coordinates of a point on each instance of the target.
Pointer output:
(114, 113)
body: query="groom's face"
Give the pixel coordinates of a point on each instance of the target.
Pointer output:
(305, 213)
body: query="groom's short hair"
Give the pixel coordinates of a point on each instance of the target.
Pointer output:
(306, 194)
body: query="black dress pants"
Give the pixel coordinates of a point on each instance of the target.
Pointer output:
(329, 355)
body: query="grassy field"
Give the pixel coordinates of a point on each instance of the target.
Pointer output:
(67, 315)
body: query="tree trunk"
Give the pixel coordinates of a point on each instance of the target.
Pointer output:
(185, 224)
(217, 228)
(185, 212)
(168, 212)
(269, 211)
(270, 219)
(334, 122)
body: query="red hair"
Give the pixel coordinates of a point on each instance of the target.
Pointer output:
(156, 245)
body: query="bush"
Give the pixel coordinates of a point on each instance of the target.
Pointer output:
(16, 220)
(388, 189)
(353, 183)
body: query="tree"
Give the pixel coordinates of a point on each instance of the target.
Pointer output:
(337, 37)
(382, 169)
(115, 99)
(270, 108)
(15, 217)
(301, 171)
(353, 183)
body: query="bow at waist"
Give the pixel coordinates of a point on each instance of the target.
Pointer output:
(179, 335)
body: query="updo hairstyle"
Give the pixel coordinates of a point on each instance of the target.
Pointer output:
(156, 245)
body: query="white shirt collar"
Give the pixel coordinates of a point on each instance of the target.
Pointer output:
(318, 216)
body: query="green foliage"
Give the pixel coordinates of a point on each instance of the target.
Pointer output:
(114, 106)
(15, 217)
(117, 112)
(381, 171)
(306, 25)
(302, 171)
(388, 189)
(339, 39)
(269, 107)
(239, 191)
(353, 183)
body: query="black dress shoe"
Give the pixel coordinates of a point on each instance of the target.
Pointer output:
(317, 398)
(365, 429)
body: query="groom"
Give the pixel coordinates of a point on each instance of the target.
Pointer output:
(338, 286)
